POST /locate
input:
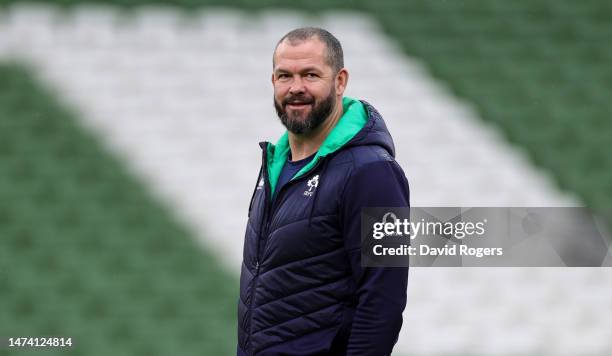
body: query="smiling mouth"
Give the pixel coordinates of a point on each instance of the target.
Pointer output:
(297, 105)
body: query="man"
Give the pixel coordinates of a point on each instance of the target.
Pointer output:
(303, 290)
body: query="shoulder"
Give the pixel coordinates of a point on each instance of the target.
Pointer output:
(372, 178)
(358, 158)
(369, 167)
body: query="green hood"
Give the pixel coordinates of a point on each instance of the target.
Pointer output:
(351, 122)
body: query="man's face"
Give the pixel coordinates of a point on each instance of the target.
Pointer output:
(304, 91)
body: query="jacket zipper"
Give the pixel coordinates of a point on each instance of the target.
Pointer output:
(265, 224)
(263, 228)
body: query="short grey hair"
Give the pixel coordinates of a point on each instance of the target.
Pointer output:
(334, 56)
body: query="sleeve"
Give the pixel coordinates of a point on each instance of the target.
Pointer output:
(380, 291)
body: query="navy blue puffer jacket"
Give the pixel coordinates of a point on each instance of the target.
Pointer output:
(303, 290)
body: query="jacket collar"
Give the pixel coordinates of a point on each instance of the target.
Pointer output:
(351, 122)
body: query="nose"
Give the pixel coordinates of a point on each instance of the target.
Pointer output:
(297, 86)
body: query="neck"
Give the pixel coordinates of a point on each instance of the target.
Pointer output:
(304, 145)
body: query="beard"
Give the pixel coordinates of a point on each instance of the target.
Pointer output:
(319, 112)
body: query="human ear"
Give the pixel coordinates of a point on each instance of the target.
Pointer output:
(341, 81)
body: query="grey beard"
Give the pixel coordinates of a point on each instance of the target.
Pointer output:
(315, 118)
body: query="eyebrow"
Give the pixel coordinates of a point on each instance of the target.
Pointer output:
(305, 70)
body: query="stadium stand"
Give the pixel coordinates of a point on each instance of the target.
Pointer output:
(525, 65)
(536, 70)
(86, 253)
